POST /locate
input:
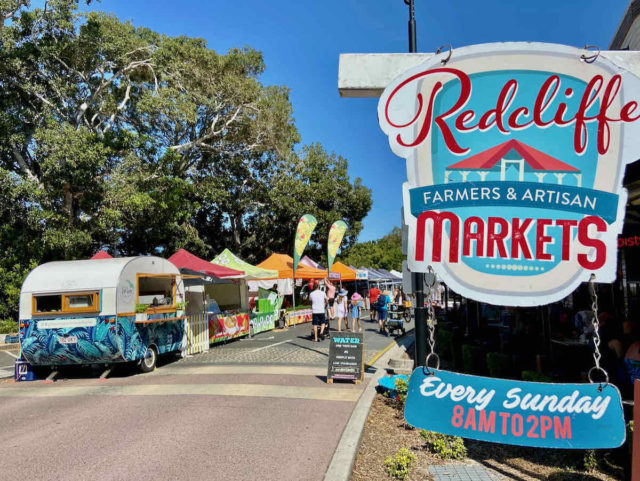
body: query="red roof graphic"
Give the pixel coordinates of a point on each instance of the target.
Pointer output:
(536, 159)
(186, 260)
(101, 254)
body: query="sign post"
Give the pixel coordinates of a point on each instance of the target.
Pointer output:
(635, 466)
(346, 356)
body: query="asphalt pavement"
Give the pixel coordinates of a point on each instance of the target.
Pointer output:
(248, 409)
(7, 359)
(291, 346)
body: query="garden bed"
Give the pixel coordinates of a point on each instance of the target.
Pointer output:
(385, 433)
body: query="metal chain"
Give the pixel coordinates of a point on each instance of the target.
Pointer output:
(431, 322)
(596, 331)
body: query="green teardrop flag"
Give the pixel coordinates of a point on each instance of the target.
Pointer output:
(306, 225)
(336, 234)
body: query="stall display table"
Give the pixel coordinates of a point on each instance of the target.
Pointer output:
(223, 327)
(298, 316)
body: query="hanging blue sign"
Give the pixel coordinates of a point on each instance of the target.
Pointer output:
(567, 416)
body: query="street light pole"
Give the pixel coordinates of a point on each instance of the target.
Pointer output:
(412, 27)
(417, 277)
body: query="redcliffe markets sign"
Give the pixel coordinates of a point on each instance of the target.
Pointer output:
(515, 157)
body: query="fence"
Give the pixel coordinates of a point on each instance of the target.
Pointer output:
(197, 330)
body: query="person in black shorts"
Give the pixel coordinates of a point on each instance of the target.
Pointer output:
(318, 304)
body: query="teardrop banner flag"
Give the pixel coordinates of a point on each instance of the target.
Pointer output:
(545, 415)
(515, 156)
(336, 234)
(306, 225)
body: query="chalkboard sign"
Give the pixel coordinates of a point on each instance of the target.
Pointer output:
(346, 356)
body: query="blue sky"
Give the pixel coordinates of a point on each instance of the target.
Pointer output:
(301, 41)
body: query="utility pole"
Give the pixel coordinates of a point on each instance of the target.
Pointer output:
(417, 277)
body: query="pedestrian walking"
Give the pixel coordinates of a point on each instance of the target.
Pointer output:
(331, 298)
(374, 293)
(341, 309)
(356, 305)
(382, 304)
(318, 304)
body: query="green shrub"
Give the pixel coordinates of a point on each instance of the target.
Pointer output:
(141, 308)
(444, 445)
(473, 359)
(590, 463)
(499, 365)
(8, 326)
(402, 387)
(398, 465)
(535, 376)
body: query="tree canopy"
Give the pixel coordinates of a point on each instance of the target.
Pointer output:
(385, 252)
(115, 136)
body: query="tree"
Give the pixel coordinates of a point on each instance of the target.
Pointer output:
(385, 252)
(116, 136)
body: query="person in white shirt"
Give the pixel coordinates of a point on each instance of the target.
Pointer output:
(318, 304)
(341, 309)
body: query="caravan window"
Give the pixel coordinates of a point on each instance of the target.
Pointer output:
(156, 290)
(44, 304)
(66, 303)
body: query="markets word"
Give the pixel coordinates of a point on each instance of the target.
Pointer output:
(515, 156)
(569, 416)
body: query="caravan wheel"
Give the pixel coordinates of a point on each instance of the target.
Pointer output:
(148, 362)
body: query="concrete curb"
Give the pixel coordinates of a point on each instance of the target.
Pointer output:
(345, 454)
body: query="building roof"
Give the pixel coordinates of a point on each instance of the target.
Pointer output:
(535, 158)
(626, 22)
(186, 260)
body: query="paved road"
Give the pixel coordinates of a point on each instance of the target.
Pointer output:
(252, 409)
(7, 360)
(292, 346)
(180, 422)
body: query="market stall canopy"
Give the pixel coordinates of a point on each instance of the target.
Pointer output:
(308, 261)
(186, 260)
(228, 259)
(374, 275)
(397, 274)
(101, 254)
(346, 273)
(389, 275)
(284, 265)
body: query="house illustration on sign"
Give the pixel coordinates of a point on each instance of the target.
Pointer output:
(509, 154)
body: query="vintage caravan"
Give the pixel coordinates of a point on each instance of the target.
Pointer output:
(102, 311)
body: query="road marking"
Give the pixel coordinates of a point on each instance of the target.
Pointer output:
(270, 345)
(245, 339)
(240, 369)
(325, 393)
(11, 354)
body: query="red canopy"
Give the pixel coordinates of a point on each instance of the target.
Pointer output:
(102, 254)
(186, 260)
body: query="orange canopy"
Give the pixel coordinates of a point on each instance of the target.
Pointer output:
(284, 265)
(346, 272)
